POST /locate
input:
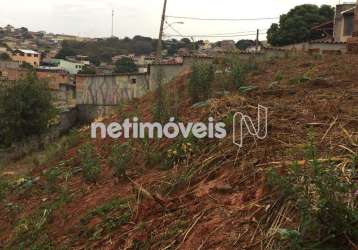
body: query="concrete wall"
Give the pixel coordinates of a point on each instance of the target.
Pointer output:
(188, 61)
(296, 47)
(54, 77)
(110, 89)
(163, 74)
(324, 48)
(318, 47)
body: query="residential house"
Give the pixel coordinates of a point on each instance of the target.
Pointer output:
(9, 28)
(343, 22)
(27, 56)
(353, 41)
(205, 46)
(72, 67)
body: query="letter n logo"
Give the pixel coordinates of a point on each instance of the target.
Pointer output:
(244, 125)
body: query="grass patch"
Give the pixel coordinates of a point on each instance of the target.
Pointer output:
(113, 214)
(324, 196)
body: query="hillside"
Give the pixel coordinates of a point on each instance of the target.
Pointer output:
(214, 195)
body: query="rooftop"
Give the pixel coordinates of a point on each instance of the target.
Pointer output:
(28, 51)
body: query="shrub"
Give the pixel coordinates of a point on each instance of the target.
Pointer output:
(113, 214)
(120, 157)
(179, 152)
(52, 176)
(90, 164)
(278, 77)
(324, 197)
(4, 186)
(200, 83)
(237, 74)
(151, 156)
(73, 138)
(160, 113)
(25, 109)
(125, 65)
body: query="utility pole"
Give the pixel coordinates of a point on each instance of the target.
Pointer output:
(159, 45)
(257, 40)
(112, 23)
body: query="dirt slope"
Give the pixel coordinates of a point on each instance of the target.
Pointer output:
(217, 198)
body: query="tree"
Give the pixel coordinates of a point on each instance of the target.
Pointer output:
(244, 44)
(87, 71)
(64, 52)
(103, 50)
(26, 109)
(186, 40)
(200, 82)
(125, 65)
(296, 25)
(95, 60)
(4, 57)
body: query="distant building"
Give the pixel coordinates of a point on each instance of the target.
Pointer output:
(254, 48)
(228, 45)
(3, 50)
(205, 46)
(9, 28)
(343, 22)
(27, 56)
(72, 67)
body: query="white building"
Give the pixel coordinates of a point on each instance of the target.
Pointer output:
(71, 67)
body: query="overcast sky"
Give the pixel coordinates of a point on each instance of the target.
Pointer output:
(92, 18)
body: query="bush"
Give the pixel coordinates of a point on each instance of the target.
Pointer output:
(90, 164)
(120, 157)
(237, 74)
(160, 106)
(181, 151)
(52, 177)
(26, 109)
(4, 186)
(200, 83)
(324, 197)
(125, 65)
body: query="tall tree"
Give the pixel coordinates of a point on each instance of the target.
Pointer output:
(296, 25)
(125, 65)
(244, 44)
(26, 109)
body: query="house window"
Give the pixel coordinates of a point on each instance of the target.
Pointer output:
(348, 25)
(35, 55)
(29, 55)
(134, 81)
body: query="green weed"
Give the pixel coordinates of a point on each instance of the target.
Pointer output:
(90, 163)
(323, 195)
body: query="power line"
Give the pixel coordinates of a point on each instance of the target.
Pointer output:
(231, 33)
(217, 36)
(223, 19)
